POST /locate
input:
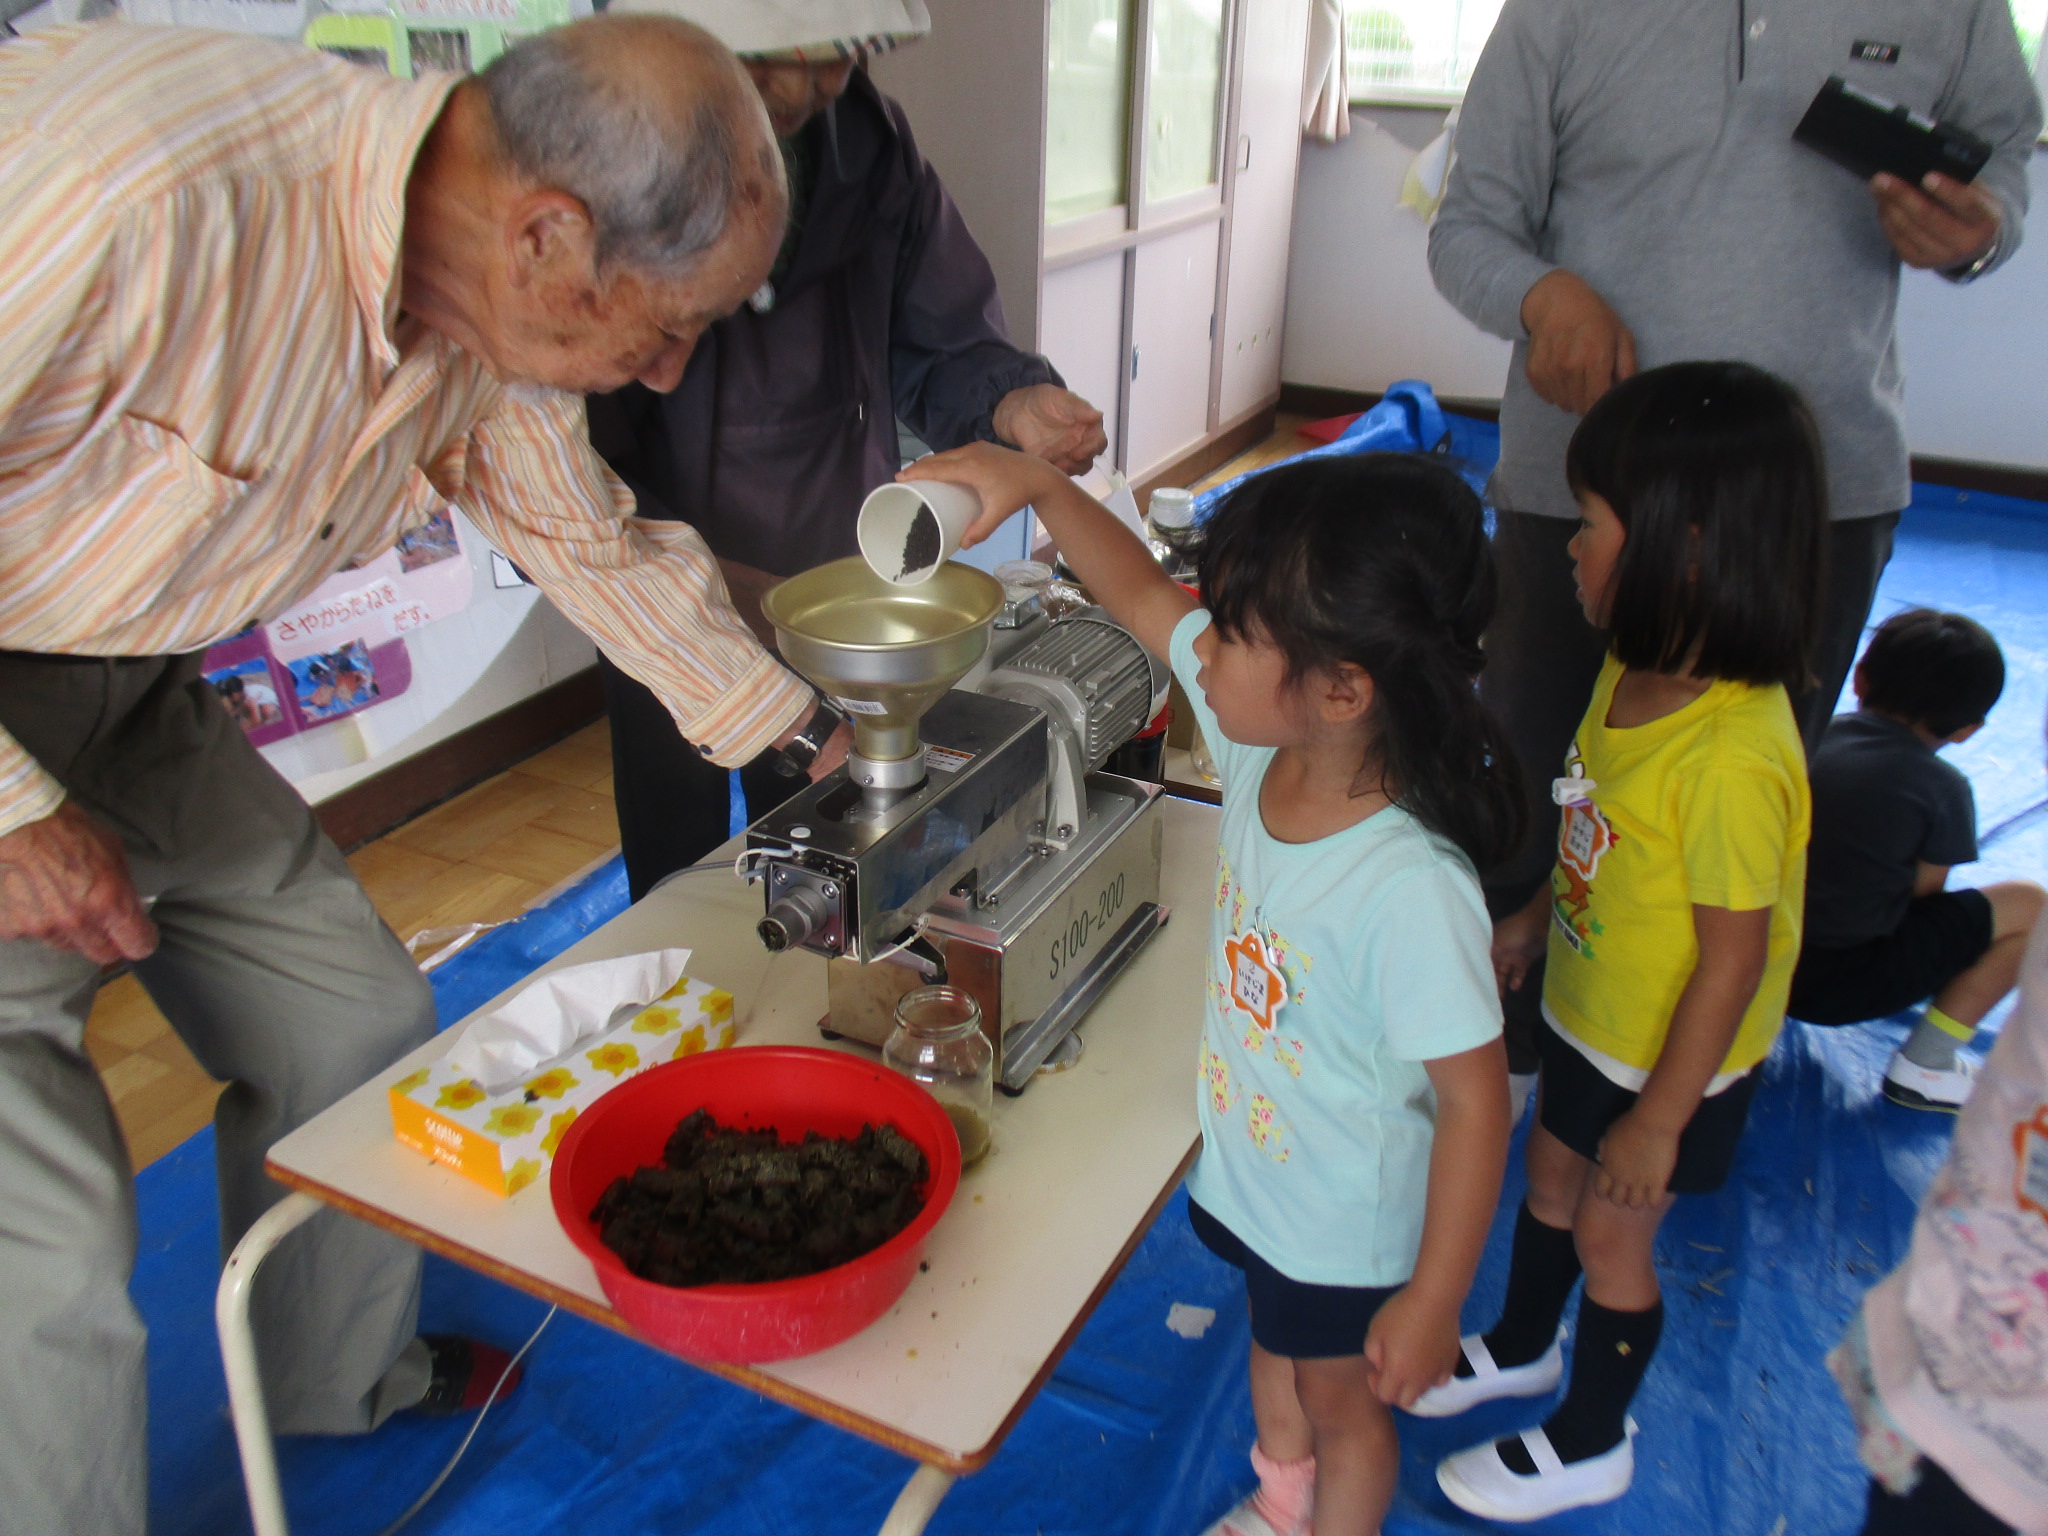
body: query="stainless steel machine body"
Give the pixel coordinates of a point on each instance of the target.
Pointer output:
(993, 856)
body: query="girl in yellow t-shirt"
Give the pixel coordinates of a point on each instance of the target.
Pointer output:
(1671, 922)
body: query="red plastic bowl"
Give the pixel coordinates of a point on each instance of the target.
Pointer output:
(793, 1090)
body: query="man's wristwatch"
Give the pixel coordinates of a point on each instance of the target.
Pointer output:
(793, 760)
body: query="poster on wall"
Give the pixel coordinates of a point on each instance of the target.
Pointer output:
(271, 699)
(424, 577)
(401, 37)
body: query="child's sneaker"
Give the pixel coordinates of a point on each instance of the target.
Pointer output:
(1489, 1381)
(1480, 1483)
(1917, 1087)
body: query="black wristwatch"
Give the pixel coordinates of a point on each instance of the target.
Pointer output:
(794, 759)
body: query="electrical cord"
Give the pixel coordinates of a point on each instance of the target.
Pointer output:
(434, 1487)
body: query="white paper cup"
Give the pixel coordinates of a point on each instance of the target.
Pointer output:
(896, 527)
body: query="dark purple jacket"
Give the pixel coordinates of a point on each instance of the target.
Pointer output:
(784, 421)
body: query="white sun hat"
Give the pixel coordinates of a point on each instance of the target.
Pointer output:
(813, 31)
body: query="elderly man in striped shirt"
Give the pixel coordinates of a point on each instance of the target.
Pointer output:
(264, 312)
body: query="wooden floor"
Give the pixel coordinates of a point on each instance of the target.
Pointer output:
(483, 857)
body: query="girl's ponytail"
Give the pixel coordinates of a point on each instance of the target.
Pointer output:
(1381, 561)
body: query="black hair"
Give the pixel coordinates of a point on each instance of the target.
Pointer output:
(1939, 671)
(1715, 471)
(1382, 561)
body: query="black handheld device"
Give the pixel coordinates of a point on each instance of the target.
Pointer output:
(1866, 134)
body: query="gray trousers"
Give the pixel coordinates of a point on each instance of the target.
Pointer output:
(1542, 659)
(278, 974)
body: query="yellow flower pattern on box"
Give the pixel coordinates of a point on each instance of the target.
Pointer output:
(505, 1141)
(557, 1129)
(615, 1057)
(551, 1084)
(461, 1094)
(509, 1120)
(523, 1173)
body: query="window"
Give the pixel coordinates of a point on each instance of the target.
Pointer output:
(1423, 51)
(1414, 50)
(2031, 17)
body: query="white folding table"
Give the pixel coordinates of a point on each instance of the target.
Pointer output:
(1083, 1162)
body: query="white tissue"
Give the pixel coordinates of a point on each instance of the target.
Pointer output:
(550, 1016)
(1124, 503)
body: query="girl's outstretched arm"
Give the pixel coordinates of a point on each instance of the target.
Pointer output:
(1641, 1148)
(1413, 1342)
(1111, 561)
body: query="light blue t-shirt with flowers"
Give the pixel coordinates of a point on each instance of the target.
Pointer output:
(1337, 968)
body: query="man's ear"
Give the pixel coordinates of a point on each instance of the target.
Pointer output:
(1856, 682)
(1345, 693)
(549, 236)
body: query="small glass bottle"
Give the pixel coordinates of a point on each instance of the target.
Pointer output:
(1172, 533)
(938, 1042)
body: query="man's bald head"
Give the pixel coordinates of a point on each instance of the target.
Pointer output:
(648, 122)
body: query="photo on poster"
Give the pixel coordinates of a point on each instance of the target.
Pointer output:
(247, 692)
(333, 683)
(428, 544)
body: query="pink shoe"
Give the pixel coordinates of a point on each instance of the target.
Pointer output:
(1280, 1506)
(1245, 1520)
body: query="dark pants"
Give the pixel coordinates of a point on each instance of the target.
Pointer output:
(674, 805)
(275, 970)
(1936, 1505)
(1542, 659)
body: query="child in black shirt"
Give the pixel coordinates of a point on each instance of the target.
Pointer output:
(1890, 819)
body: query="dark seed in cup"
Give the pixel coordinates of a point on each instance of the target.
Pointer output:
(921, 544)
(727, 1206)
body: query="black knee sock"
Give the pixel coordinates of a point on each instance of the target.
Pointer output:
(1541, 1273)
(1610, 1352)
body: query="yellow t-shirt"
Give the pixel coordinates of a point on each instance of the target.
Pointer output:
(1706, 806)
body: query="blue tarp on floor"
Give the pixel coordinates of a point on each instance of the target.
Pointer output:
(1142, 1432)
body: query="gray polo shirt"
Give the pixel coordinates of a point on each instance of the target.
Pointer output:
(1646, 145)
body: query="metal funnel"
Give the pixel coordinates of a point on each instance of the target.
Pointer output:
(887, 653)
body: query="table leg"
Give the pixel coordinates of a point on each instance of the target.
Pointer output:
(918, 1502)
(238, 1354)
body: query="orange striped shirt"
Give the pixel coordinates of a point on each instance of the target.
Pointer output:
(209, 401)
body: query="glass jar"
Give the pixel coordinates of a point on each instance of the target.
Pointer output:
(1201, 759)
(938, 1042)
(1171, 532)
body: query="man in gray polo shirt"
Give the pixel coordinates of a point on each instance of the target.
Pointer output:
(1627, 193)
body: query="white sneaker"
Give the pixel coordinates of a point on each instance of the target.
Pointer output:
(1489, 1381)
(1917, 1087)
(1480, 1483)
(1246, 1521)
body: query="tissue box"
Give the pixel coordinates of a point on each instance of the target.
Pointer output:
(504, 1141)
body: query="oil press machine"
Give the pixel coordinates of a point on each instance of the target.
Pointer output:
(971, 836)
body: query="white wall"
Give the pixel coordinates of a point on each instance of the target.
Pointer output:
(1361, 311)
(505, 646)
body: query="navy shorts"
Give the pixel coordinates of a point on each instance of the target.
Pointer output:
(1942, 936)
(1292, 1317)
(1579, 1102)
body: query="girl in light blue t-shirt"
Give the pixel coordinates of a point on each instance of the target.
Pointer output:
(1351, 1009)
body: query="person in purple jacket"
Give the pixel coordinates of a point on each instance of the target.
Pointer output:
(880, 307)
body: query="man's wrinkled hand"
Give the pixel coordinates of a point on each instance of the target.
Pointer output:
(64, 882)
(1053, 424)
(1941, 223)
(1578, 347)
